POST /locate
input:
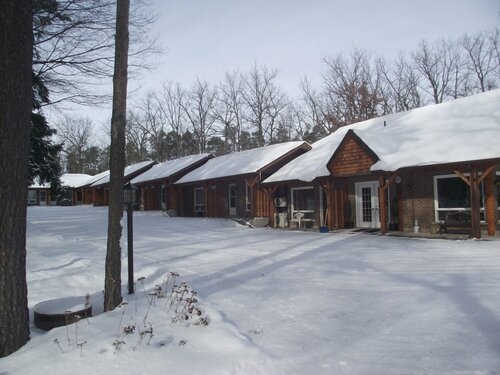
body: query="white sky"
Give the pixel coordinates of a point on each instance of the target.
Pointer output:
(205, 38)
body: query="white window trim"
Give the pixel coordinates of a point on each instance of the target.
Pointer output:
(248, 200)
(198, 207)
(436, 201)
(293, 211)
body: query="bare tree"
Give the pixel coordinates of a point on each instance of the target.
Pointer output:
(314, 111)
(402, 84)
(199, 106)
(16, 41)
(170, 103)
(229, 110)
(74, 46)
(264, 101)
(112, 280)
(287, 124)
(494, 40)
(441, 69)
(154, 124)
(351, 88)
(78, 136)
(482, 62)
(136, 140)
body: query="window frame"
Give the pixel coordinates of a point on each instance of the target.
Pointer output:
(308, 214)
(437, 209)
(248, 197)
(33, 199)
(199, 207)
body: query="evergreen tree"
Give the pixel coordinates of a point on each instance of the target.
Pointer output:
(44, 162)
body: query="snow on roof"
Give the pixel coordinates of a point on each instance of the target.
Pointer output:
(93, 179)
(127, 172)
(74, 179)
(67, 180)
(457, 131)
(168, 168)
(243, 162)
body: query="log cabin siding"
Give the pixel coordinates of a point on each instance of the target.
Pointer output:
(351, 159)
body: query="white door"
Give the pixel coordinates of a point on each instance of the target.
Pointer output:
(367, 206)
(232, 199)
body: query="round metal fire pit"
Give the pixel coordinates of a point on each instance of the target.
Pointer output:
(60, 312)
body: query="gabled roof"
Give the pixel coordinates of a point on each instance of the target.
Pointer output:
(93, 179)
(170, 168)
(461, 130)
(129, 171)
(70, 180)
(74, 179)
(244, 162)
(340, 151)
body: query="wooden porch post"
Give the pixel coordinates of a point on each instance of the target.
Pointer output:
(475, 205)
(489, 182)
(269, 191)
(382, 204)
(399, 192)
(474, 182)
(252, 182)
(332, 203)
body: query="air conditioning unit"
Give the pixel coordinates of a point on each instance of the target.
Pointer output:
(279, 202)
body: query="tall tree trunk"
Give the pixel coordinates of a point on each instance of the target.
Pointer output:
(16, 43)
(112, 283)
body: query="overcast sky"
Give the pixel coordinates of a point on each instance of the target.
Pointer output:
(205, 38)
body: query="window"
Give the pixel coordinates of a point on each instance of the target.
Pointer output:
(199, 200)
(248, 197)
(452, 194)
(163, 197)
(303, 202)
(31, 197)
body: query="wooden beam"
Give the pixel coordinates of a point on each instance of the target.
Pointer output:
(399, 193)
(475, 206)
(462, 176)
(382, 204)
(331, 193)
(390, 180)
(252, 181)
(490, 203)
(485, 174)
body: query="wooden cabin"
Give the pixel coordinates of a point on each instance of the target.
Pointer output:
(431, 169)
(87, 192)
(39, 195)
(70, 194)
(100, 188)
(228, 185)
(154, 185)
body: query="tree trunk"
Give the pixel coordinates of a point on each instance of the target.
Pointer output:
(112, 283)
(16, 41)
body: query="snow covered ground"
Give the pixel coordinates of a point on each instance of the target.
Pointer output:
(279, 302)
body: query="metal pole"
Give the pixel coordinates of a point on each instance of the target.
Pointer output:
(130, 241)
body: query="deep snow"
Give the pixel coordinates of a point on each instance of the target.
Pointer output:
(279, 302)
